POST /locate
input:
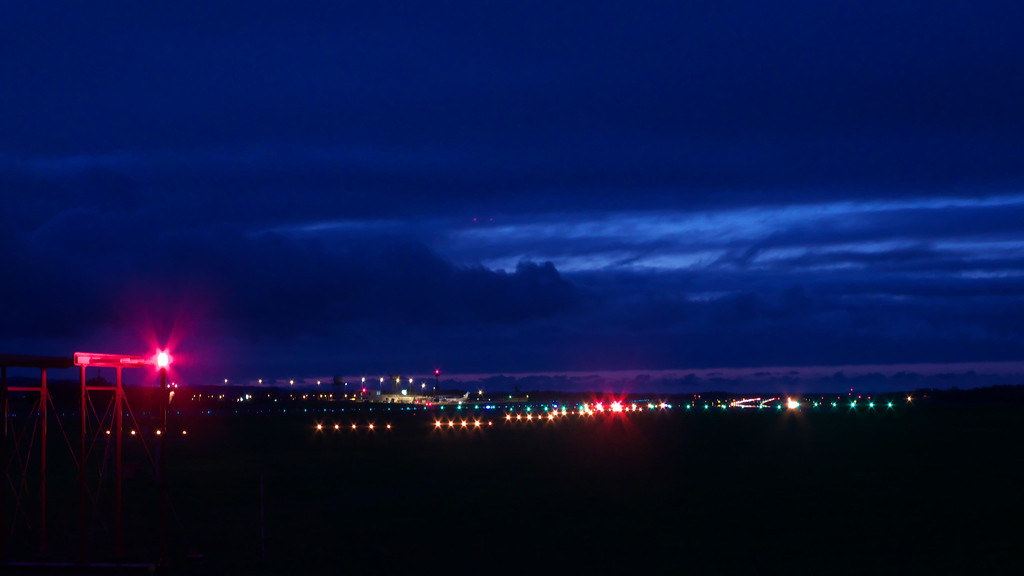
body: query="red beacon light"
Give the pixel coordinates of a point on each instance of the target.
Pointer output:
(163, 359)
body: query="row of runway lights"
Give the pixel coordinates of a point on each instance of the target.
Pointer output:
(588, 411)
(478, 423)
(354, 427)
(132, 433)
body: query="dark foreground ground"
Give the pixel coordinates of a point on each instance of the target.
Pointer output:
(924, 489)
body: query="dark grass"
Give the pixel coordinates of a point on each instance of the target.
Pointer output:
(924, 489)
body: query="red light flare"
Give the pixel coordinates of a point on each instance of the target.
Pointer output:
(163, 326)
(615, 421)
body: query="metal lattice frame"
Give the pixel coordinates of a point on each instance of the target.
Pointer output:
(84, 360)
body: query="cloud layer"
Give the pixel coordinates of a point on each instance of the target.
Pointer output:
(541, 187)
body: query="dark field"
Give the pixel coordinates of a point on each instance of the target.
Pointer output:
(923, 489)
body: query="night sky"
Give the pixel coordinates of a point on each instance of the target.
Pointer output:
(681, 191)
